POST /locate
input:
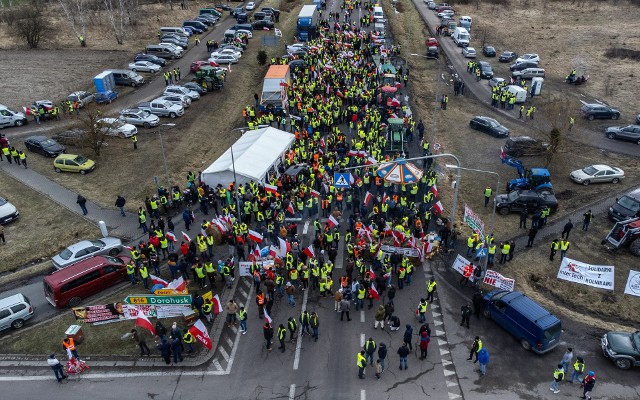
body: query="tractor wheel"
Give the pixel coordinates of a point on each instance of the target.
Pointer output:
(635, 247)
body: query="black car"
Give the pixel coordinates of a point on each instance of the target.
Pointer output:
(43, 145)
(489, 125)
(519, 66)
(238, 10)
(195, 87)
(151, 58)
(248, 27)
(276, 13)
(433, 53)
(485, 70)
(518, 200)
(599, 111)
(222, 7)
(629, 133)
(263, 24)
(518, 146)
(489, 51)
(507, 56)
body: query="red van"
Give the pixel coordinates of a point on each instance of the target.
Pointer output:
(78, 281)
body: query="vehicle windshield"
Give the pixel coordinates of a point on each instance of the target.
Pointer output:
(498, 296)
(629, 203)
(114, 260)
(485, 67)
(48, 143)
(492, 122)
(80, 160)
(98, 243)
(636, 340)
(2, 201)
(590, 170)
(65, 254)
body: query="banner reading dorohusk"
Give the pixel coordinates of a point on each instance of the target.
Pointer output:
(106, 313)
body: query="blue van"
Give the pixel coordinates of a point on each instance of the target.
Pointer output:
(537, 329)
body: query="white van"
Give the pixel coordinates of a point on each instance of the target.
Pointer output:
(379, 27)
(518, 92)
(378, 14)
(14, 311)
(174, 29)
(465, 22)
(461, 37)
(9, 117)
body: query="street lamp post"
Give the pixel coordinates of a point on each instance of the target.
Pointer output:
(493, 213)
(164, 156)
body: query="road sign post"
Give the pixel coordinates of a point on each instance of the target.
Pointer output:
(342, 179)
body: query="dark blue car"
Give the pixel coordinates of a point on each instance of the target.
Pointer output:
(106, 97)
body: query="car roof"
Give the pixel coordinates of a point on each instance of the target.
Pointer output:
(601, 167)
(12, 300)
(67, 156)
(530, 309)
(76, 269)
(37, 138)
(522, 139)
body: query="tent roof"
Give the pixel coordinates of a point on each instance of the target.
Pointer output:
(254, 153)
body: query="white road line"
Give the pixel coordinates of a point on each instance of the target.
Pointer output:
(236, 342)
(234, 329)
(296, 359)
(224, 353)
(361, 315)
(118, 375)
(217, 365)
(292, 392)
(304, 232)
(229, 342)
(362, 340)
(363, 394)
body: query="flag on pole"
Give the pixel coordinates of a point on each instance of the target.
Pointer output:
(217, 305)
(309, 251)
(271, 188)
(256, 253)
(370, 161)
(128, 248)
(373, 292)
(186, 237)
(290, 208)
(384, 198)
(332, 221)
(434, 190)
(158, 281)
(399, 235)
(177, 284)
(255, 236)
(199, 331)
(315, 193)
(367, 198)
(438, 207)
(372, 275)
(285, 247)
(502, 153)
(143, 322)
(266, 315)
(171, 236)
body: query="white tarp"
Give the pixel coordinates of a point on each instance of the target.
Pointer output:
(254, 154)
(600, 276)
(633, 284)
(459, 264)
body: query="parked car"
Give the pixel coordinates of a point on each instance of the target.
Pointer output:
(73, 163)
(629, 133)
(495, 81)
(431, 4)
(597, 174)
(433, 52)
(151, 58)
(222, 7)
(144, 66)
(8, 212)
(638, 119)
(486, 72)
(536, 328)
(528, 73)
(519, 146)
(275, 12)
(626, 207)
(14, 311)
(507, 56)
(599, 111)
(488, 125)
(177, 89)
(176, 99)
(623, 348)
(175, 39)
(106, 97)
(81, 97)
(529, 58)
(195, 87)
(116, 127)
(87, 248)
(518, 200)
(195, 66)
(469, 52)
(489, 51)
(224, 59)
(246, 32)
(263, 24)
(250, 6)
(139, 117)
(446, 13)
(9, 117)
(227, 51)
(520, 65)
(43, 145)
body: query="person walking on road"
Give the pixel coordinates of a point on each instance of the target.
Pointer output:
(578, 370)
(379, 318)
(293, 328)
(476, 346)
(422, 310)
(382, 354)
(588, 384)
(56, 366)
(532, 235)
(554, 248)
(558, 376)
(466, 314)
(314, 323)
(408, 336)
(567, 229)
(120, 202)
(403, 352)
(82, 202)
(564, 247)
(586, 220)
(361, 362)
(424, 345)
(483, 360)
(477, 303)
(344, 307)
(567, 358)
(282, 335)
(431, 289)
(267, 331)
(370, 348)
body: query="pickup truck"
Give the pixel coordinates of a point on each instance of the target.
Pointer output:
(162, 108)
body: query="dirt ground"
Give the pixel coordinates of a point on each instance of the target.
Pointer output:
(43, 229)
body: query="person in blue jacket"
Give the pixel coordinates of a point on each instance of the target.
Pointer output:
(483, 360)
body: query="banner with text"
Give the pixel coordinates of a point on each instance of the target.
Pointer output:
(244, 267)
(101, 313)
(496, 279)
(600, 276)
(404, 251)
(474, 221)
(458, 266)
(633, 284)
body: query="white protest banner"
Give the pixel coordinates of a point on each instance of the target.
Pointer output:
(473, 220)
(496, 279)
(244, 267)
(458, 265)
(131, 311)
(600, 276)
(405, 251)
(172, 311)
(633, 283)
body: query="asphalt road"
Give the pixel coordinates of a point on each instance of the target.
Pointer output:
(590, 133)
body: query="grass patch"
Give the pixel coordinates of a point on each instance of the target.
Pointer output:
(622, 53)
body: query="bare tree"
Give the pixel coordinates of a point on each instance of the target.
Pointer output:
(116, 14)
(76, 9)
(553, 124)
(95, 133)
(31, 24)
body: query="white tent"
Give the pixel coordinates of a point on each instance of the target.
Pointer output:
(255, 154)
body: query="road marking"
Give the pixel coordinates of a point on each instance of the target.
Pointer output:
(118, 375)
(439, 333)
(448, 373)
(235, 344)
(451, 384)
(304, 232)
(234, 329)
(441, 342)
(362, 340)
(436, 314)
(292, 392)
(224, 353)
(363, 394)
(437, 323)
(243, 292)
(361, 315)
(229, 342)
(296, 359)
(454, 396)
(445, 362)
(444, 351)
(216, 364)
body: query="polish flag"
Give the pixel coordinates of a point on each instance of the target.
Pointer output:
(128, 248)
(143, 322)
(387, 230)
(271, 188)
(372, 275)
(367, 198)
(171, 237)
(373, 292)
(267, 317)
(219, 225)
(158, 281)
(370, 160)
(315, 193)
(203, 232)
(322, 143)
(384, 198)
(217, 305)
(199, 331)
(398, 235)
(362, 154)
(285, 247)
(274, 252)
(438, 207)
(186, 237)
(332, 221)
(309, 251)
(177, 284)
(434, 190)
(255, 236)
(290, 208)
(352, 153)
(502, 154)
(256, 253)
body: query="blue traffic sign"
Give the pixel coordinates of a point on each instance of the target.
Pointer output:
(342, 180)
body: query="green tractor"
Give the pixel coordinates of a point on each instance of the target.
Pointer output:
(396, 143)
(210, 78)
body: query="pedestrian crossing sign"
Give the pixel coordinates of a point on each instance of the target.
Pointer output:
(342, 180)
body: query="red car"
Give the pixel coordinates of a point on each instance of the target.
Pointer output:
(442, 8)
(195, 66)
(431, 42)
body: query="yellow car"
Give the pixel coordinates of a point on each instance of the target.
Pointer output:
(73, 163)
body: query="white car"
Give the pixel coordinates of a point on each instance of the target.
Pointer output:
(495, 81)
(251, 6)
(8, 212)
(529, 57)
(116, 127)
(597, 174)
(144, 66)
(297, 46)
(224, 59)
(139, 117)
(177, 99)
(173, 47)
(469, 52)
(431, 4)
(446, 13)
(176, 89)
(227, 51)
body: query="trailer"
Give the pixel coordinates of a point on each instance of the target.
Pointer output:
(308, 23)
(274, 89)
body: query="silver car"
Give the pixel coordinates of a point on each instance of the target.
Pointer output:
(469, 52)
(135, 116)
(597, 174)
(87, 248)
(81, 97)
(178, 99)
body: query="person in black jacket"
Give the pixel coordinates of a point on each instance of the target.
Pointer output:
(165, 350)
(403, 352)
(408, 335)
(477, 303)
(382, 354)
(267, 330)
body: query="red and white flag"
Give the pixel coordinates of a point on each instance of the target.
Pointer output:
(158, 281)
(171, 237)
(315, 193)
(373, 292)
(217, 305)
(370, 161)
(143, 322)
(274, 252)
(434, 190)
(199, 331)
(271, 188)
(203, 232)
(256, 253)
(438, 207)
(322, 143)
(219, 224)
(267, 317)
(367, 198)
(290, 208)
(255, 236)
(177, 284)
(129, 248)
(186, 237)
(285, 247)
(398, 235)
(372, 275)
(332, 221)
(309, 251)
(502, 153)
(352, 153)
(387, 230)
(384, 198)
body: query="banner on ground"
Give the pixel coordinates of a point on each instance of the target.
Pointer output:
(633, 284)
(244, 267)
(496, 279)
(100, 313)
(405, 251)
(458, 266)
(600, 276)
(474, 221)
